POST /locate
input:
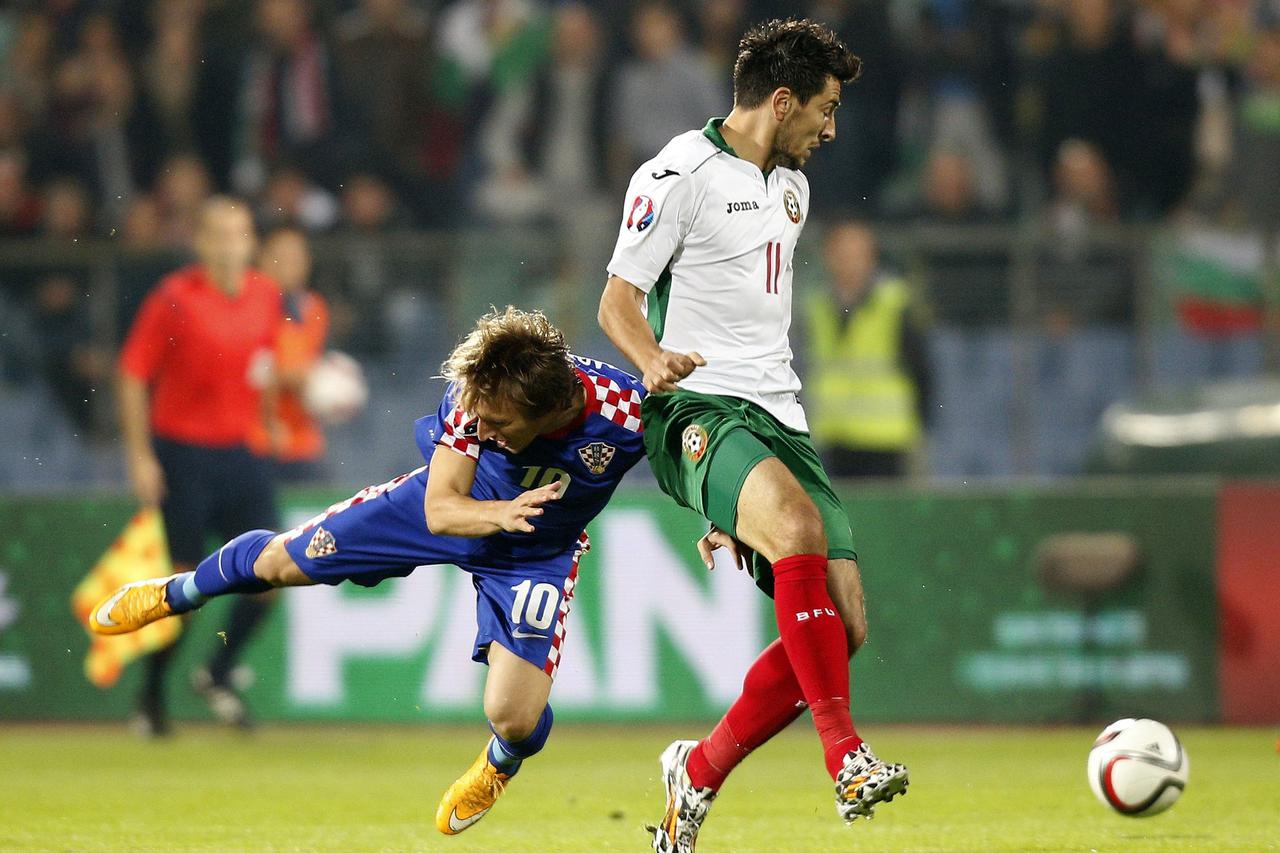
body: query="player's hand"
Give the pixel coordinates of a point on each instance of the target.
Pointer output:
(714, 540)
(667, 368)
(516, 515)
(146, 477)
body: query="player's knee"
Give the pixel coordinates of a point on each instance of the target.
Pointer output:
(800, 531)
(274, 565)
(511, 721)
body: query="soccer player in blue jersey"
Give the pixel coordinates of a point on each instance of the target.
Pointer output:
(526, 448)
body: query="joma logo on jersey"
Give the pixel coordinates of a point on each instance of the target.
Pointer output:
(735, 206)
(596, 456)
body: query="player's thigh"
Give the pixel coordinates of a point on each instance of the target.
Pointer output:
(526, 609)
(700, 451)
(796, 451)
(775, 515)
(515, 692)
(378, 533)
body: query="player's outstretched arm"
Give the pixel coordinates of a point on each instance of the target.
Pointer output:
(451, 511)
(623, 321)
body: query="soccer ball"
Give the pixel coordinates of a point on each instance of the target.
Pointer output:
(1137, 767)
(335, 390)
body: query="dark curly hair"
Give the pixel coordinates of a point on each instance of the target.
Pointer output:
(797, 54)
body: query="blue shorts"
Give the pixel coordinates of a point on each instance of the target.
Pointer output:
(381, 532)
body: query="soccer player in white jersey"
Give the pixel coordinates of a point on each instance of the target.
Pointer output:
(699, 298)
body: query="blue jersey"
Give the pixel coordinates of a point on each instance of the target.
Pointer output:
(589, 457)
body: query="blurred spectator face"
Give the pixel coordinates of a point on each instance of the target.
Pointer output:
(851, 256)
(367, 204)
(286, 258)
(98, 35)
(283, 23)
(385, 13)
(656, 32)
(66, 209)
(184, 182)
(949, 183)
(1090, 21)
(225, 241)
(142, 227)
(13, 183)
(283, 195)
(1081, 175)
(12, 121)
(721, 19)
(577, 36)
(1264, 62)
(56, 295)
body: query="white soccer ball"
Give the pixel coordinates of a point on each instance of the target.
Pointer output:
(1138, 767)
(335, 390)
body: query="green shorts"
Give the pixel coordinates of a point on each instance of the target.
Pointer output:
(702, 446)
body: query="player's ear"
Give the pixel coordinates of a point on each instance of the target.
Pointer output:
(782, 101)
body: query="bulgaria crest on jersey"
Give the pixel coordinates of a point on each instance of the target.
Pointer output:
(694, 442)
(791, 203)
(641, 215)
(596, 456)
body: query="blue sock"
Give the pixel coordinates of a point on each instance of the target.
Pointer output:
(230, 568)
(181, 593)
(507, 755)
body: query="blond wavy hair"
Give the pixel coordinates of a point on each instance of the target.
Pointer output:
(514, 356)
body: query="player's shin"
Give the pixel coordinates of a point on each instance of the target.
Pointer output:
(817, 648)
(227, 570)
(507, 755)
(771, 699)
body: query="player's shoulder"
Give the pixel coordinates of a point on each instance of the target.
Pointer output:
(678, 163)
(615, 393)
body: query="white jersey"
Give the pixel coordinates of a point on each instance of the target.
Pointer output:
(710, 239)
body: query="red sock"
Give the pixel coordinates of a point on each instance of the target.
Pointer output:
(770, 701)
(817, 648)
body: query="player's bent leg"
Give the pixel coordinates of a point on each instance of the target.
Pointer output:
(515, 701)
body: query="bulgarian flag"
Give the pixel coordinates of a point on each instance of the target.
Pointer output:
(139, 552)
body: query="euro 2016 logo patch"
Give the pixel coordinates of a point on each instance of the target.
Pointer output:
(641, 215)
(792, 205)
(596, 456)
(322, 544)
(694, 442)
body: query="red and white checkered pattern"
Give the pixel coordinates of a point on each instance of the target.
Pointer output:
(366, 494)
(453, 437)
(566, 601)
(621, 407)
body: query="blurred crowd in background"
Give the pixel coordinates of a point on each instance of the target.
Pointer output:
(405, 137)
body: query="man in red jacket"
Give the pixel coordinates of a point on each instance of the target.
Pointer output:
(193, 375)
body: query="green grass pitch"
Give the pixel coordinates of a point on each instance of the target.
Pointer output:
(374, 788)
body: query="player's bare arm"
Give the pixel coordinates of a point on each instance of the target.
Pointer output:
(623, 321)
(451, 511)
(145, 474)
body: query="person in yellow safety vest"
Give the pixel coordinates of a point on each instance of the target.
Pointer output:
(868, 380)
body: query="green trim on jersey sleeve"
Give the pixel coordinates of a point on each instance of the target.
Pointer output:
(658, 297)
